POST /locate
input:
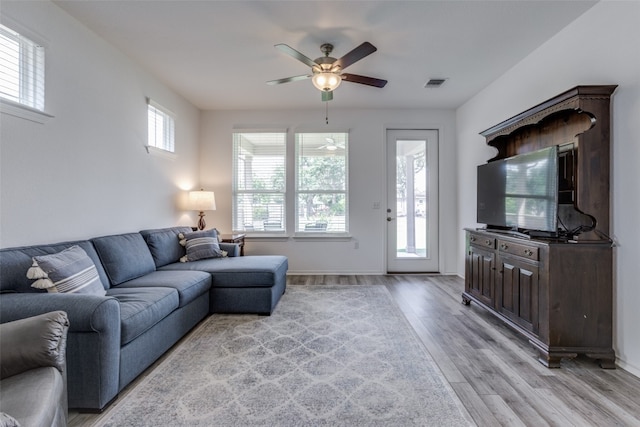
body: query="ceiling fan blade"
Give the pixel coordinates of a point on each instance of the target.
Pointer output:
(288, 79)
(364, 80)
(327, 96)
(294, 53)
(356, 54)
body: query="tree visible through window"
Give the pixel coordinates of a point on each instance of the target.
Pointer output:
(259, 186)
(321, 182)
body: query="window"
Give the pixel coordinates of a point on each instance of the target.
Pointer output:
(21, 69)
(259, 183)
(161, 127)
(321, 182)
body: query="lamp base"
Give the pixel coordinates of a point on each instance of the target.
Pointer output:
(201, 223)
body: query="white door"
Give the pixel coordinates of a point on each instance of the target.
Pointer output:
(412, 201)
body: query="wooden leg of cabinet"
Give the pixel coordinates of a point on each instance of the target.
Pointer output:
(551, 358)
(606, 360)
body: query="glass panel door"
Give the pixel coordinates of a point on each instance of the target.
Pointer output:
(412, 205)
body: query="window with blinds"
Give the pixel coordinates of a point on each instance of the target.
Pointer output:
(162, 129)
(259, 181)
(21, 69)
(322, 182)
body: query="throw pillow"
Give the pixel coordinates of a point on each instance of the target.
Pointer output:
(201, 245)
(69, 271)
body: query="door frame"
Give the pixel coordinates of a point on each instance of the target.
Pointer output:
(438, 130)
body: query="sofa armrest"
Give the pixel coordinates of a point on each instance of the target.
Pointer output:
(34, 342)
(93, 341)
(233, 249)
(86, 313)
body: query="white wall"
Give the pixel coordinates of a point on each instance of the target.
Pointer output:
(601, 47)
(367, 165)
(85, 172)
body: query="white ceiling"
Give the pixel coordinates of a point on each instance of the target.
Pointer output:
(219, 54)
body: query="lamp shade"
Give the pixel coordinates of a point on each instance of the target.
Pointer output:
(202, 200)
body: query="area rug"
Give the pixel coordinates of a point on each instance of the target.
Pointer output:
(327, 356)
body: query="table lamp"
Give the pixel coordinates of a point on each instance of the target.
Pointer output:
(202, 201)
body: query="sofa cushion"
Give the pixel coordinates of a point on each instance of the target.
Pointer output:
(164, 244)
(200, 245)
(14, 263)
(238, 272)
(142, 308)
(124, 256)
(68, 271)
(189, 284)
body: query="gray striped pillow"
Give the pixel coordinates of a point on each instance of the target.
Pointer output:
(201, 245)
(69, 271)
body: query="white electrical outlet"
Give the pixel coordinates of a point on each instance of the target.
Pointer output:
(376, 205)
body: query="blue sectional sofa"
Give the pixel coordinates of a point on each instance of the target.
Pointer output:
(152, 300)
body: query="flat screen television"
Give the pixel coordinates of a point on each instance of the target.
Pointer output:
(521, 192)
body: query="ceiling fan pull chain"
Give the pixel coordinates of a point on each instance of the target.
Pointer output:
(326, 104)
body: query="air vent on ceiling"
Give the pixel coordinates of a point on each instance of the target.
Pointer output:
(433, 83)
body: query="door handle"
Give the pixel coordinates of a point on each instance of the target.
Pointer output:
(390, 219)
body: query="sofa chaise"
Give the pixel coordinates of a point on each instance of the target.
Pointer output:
(148, 301)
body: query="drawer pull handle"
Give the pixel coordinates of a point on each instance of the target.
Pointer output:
(472, 238)
(503, 246)
(528, 252)
(488, 242)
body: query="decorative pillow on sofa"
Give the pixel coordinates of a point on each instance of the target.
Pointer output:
(70, 271)
(201, 245)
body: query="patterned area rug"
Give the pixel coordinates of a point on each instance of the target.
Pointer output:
(328, 356)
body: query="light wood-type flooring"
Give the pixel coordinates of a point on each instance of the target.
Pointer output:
(492, 369)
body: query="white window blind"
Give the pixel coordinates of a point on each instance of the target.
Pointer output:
(259, 181)
(21, 69)
(322, 182)
(161, 127)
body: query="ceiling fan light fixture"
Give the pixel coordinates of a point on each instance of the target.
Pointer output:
(326, 81)
(327, 71)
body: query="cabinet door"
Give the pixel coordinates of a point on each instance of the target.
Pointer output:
(517, 297)
(479, 275)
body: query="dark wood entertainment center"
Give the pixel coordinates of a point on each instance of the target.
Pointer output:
(556, 291)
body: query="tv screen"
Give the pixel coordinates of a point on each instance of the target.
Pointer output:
(520, 192)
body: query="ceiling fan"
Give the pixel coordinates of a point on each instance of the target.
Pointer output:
(331, 145)
(327, 71)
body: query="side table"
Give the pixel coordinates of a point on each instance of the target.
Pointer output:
(234, 238)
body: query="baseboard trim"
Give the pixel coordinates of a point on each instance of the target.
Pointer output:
(359, 273)
(333, 273)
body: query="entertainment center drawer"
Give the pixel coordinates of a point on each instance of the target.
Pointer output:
(482, 241)
(525, 251)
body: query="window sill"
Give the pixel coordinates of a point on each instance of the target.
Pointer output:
(267, 236)
(24, 112)
(155, 151)
(322, 237)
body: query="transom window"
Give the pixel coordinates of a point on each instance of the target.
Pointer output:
(322, 182)
(259, 185)
(21, 69)
(162, 130)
